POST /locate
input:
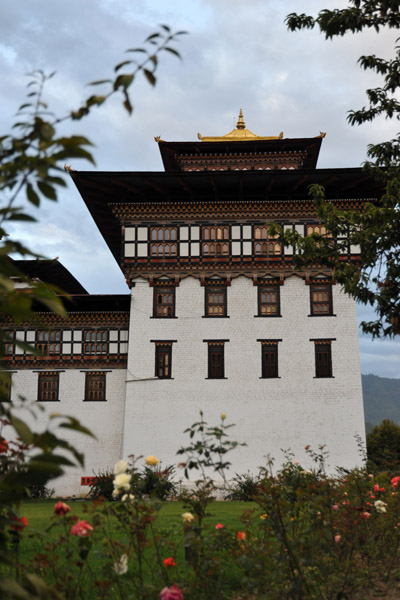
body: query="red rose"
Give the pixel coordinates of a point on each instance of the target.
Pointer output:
(169, 562)
(81, 528)
(19, 523)
(61, 508)
(241, 535)
(171, 593)
(3, 446)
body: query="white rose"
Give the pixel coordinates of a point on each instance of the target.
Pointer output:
(121, 481)
(121, 566)
(120, 467)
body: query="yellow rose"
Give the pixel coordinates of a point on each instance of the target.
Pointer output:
(223, 416)
(152, 461)
(187, 517)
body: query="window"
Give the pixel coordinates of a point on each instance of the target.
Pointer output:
(323, 359)
(164, 302)
(215, 301)
(8, 341)
(163, 360)
(269, 359)
(216, 367)
(321, 300)
(95, 386)
(48, 387)
(5, 386)
(268, 301)
(265, 244)
(163, 242)
(320, 229)
(215, 240)
(48, 342)
(95, 342)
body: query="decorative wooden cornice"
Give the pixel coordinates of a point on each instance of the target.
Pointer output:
(266, 210)
(118, 319)
(73, 361)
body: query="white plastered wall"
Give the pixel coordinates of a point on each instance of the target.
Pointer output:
(270, 414)
(104, 419)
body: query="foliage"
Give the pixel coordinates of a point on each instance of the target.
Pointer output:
(101, 486)
(376, 281)
(157, 483)
(31, 169)
(39, 491)
(243, 487)
(308, 535)
(383, 446)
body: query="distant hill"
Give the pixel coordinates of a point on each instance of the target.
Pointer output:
(381, 399)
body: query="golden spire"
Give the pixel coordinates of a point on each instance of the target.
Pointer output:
(240, 134)
(240, 124)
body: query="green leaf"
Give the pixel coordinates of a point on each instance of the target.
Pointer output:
(152, 37)
(47, 190)
(22, 429)
(172, 51)
(123, 81)
(149, 76)
(32, 195)
(136, 50)
(100, 82)
(122, 64)
(21, 217)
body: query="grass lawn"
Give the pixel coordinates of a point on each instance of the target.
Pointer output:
(169, 520)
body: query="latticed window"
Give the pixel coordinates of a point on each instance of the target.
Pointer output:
(5, 386)
(164, 302)
(95, 342)
(215, 301)
(48, 387)
(216, 367)
(268, 301)
(48, 342)
(320, 229)
(9, 343)
(321, 300)
(323, 359)
(269, 360)
(163, 241)
(215, 240)
(95, 386)
(163, 361)
(266, 244)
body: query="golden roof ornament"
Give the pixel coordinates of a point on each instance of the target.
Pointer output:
(240, 134)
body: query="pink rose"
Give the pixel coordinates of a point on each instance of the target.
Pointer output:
(335, 507)
(219, 526)
(81, 528)
(365, 515)
(61, 508)
(338, 538)
(376, 487)
(395, 481)
(171, 593)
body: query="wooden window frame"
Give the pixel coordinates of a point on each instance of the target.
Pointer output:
(93, 394)
(95, 346)
(9, 342)
(48, 343)
(163, 242)
(314, 304)
(323, 371)
(215, 240)
(6, 385)
(48, 386)
(269, 289)
(216, 371)
(269, 349)
(268, 246)
(211, 290)
(161, 291)
(163, 360)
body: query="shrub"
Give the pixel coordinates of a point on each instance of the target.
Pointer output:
(244, 487)
(102, 486)
(157, 482)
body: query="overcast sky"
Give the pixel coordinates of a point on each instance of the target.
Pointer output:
(237, 53)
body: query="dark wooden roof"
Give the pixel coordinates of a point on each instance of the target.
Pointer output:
(92, 303)
(50, 271)
(170, 150)
(101, 190)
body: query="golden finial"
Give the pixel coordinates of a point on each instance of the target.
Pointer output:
(67, 167)
(240, 124)
(157, 139)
